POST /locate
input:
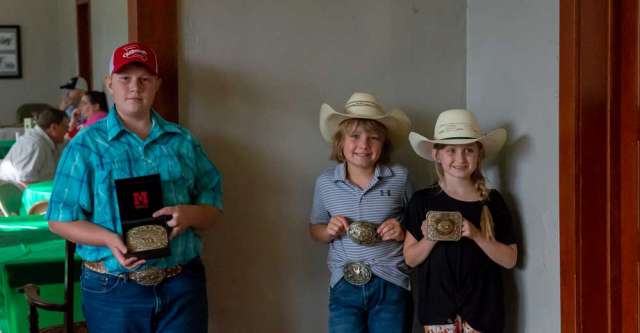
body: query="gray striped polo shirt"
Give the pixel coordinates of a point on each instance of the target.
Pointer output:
(385, 197)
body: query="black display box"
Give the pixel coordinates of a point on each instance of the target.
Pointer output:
(146, 237)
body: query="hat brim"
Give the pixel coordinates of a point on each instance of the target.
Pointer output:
(492, 142)
(397, 123)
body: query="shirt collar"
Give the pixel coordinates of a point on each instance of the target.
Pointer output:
(158, 125)
(40, 132)
(381, 171)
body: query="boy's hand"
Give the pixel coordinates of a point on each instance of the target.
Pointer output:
(118, 249)
(391, 230)
(337, 226)
(181, 216)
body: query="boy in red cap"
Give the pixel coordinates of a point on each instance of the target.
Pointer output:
(123, 293)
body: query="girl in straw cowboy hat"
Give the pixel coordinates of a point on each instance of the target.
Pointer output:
(357, 209)
(459, 232)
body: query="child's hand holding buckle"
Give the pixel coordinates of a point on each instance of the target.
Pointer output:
(391, 230)
(469, 230)
(337, 226)
(179, 217)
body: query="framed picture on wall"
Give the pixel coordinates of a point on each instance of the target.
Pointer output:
(10, 66)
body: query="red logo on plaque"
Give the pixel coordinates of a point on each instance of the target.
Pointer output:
(140, 200)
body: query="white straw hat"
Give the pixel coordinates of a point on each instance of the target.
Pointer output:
(458, 127)
(365, 106)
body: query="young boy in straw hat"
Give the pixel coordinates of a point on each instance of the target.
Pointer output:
(357, 210)
(459, 284)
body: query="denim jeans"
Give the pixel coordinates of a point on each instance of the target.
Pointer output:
(376, 307)
(114, 305)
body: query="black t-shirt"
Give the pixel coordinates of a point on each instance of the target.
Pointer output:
(458, 278)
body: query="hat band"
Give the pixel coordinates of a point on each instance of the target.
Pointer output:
(458, 138)
(361, 103)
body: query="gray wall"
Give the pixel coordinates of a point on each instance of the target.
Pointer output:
(49, 55)
(512, 81)
(109, 29)
(252, 79)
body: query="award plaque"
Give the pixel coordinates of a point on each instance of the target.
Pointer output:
(146, 237)
(444, 226)
(364, 233)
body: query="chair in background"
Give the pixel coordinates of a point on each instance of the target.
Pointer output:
(10, 199)
(32, 294)
(39, 208)
(29, 110)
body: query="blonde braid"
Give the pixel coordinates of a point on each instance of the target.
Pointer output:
(486, 220)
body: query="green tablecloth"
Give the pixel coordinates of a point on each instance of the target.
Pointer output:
(30, 253)
(16, 231)
(5, 145)
(35, 192)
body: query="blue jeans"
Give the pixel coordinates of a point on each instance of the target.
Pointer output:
(114, 305)
(376, 307)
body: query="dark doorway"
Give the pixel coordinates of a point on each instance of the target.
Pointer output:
(83, 18)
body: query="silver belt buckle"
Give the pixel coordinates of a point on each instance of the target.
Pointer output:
(357, 273)
(148, 277)
(364, 233)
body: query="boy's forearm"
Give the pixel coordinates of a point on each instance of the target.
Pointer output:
(83, 232)
(203, 217)
(318, 232)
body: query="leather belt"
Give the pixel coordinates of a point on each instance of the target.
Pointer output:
(146, 277)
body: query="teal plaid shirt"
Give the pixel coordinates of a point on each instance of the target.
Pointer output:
(84, 180)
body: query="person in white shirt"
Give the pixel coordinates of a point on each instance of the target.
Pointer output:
(35, 155)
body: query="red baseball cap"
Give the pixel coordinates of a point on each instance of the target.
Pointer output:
(133, 53)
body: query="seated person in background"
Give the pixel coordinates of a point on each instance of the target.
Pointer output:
(92, 107)
(73, 91)
(35, 155)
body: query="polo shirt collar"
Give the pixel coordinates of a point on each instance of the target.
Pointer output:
(158, 125)
(381, 171)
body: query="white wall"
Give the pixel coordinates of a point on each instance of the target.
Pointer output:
(49, 56)
(109, 29)
(512, 81)
(252, 78)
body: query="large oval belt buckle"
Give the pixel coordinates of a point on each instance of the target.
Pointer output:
(148, 277)
(357, 273)
(364, 233)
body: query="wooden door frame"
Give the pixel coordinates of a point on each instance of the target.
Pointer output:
(155, 23)
(83, 37)
(598, 165)
(628, 156)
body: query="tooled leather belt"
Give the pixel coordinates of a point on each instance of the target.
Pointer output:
(146, 277)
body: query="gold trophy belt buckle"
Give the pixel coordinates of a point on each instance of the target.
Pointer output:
(148, 277)
(153, 276)
(357, 273)
(364, 233)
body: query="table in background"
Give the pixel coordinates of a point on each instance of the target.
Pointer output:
(35, 192)
(30, 253)
(9, 133)
(5, 145)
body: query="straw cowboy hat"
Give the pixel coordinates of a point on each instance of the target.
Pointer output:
(458, 127)
(365, 106)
